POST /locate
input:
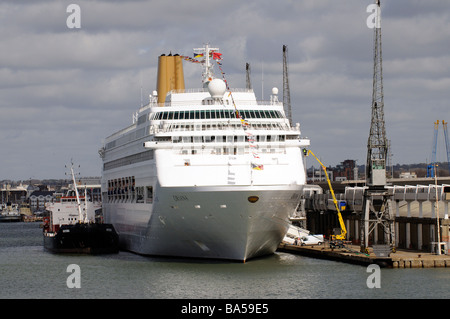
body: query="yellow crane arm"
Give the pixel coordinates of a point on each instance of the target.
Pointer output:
(343, 233)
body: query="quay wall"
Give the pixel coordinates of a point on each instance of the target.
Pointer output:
(413, 208)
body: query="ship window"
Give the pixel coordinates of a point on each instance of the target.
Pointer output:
(258, 115)
(175, 115)
(176, 139)
(272, 114)
(140, 194)
(197, 139)
(149, 195)
(207, 114)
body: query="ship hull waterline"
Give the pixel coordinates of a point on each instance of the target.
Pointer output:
(216, 222)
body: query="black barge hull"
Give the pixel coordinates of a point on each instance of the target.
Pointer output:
(83, 238)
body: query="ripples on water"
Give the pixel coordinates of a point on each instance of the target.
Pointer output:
(27, 271)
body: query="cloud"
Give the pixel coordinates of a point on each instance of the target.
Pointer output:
(64, 90)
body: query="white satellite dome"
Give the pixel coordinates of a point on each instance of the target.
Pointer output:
(217, 88)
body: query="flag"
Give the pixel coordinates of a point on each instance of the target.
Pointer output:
(257, 167)
(216, 56)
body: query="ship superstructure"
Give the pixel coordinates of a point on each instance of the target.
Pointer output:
(209, 172)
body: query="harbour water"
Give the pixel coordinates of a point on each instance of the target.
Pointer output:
(27, 271)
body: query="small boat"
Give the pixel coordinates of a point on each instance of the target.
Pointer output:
(9, 212)
(71, 226)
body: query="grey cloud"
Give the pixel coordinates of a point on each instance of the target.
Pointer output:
(63, 90)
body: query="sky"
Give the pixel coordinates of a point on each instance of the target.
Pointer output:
(64, 88)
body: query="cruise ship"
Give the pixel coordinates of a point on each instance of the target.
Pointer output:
(204, 173)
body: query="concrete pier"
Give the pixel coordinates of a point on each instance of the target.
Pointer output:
(351, 254)
(413, 208)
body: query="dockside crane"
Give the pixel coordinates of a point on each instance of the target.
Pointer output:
(286, 91)
(447, 144)
(337, 240)
(431, 168)
(247, 77)
(376, 207)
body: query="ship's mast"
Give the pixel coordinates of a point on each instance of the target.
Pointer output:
(80, 214)
(208, 73)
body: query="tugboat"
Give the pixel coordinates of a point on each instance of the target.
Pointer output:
(71, 226)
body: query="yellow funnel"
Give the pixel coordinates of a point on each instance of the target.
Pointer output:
(170, 75)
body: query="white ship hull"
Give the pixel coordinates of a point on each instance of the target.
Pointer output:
(208, 222)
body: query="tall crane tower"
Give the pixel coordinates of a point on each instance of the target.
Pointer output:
(432, 167)
(377, 142)
(376, 206)
(286, 93)
(447, 144)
